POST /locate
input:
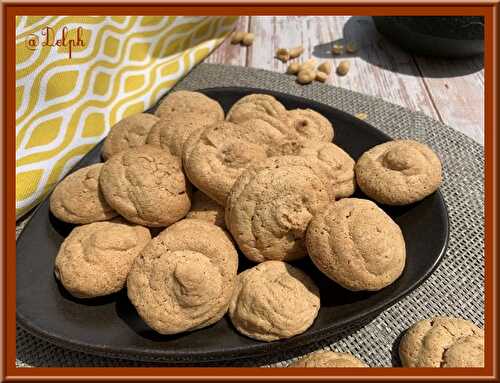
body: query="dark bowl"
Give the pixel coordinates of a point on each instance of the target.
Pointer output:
(110, 326)
(439, 36)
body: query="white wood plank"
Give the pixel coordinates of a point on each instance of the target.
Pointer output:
(457, 89)
(230, 54)
(378, 68)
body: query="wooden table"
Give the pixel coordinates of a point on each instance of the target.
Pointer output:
(451, 91)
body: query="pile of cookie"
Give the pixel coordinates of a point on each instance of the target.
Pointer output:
(270, 183)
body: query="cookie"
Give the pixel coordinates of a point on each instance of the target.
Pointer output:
(184, 278)
(215, 157)
(146, 186)
(206, 209)
(184, 101)
(130, 132)
(271, 205)
(272, 301)
(255, 105)
(357, 245)
(334, 165)
(279, 124)
(95, 259)
(310, 125)
(399, 172)
(328, 359)
(442, 342)
(78, 199)
(171, 133)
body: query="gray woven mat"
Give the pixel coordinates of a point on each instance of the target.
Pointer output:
(455, 288)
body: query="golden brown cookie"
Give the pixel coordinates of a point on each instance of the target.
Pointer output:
(78, 198)
(146, 186)
(270, 206)
(328, 359)
(310, 125)
(399, 172)
(215, 157)
(256, 105)
(356, 244)
(183, 280)
(95, 259)
(130, 132)
(272, 301)
(171, 133)
(185, 101)
(334, 165)
(206, 209)
(442, 342)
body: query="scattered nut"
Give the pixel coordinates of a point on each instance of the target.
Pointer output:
(306, 76)
(343, 68)
(351, 47)
(248, 39)
(293, 68)
(361, 116)
(337, 49)
(237, 37)
(321, 76)
(325, 67)
(282, 54)
(308, 65)
(296, 52)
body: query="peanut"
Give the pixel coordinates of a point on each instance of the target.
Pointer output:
(325, 67)
(321, 76)
(306, 76)
(296, 52)
(308, 65)
(293, 68)
(237, 37)
(343, 68)
(248, 39)
(351, 47)
(282, 54)
(361, 116)
(337, 49)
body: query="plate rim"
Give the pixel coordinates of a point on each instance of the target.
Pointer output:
(250, 352)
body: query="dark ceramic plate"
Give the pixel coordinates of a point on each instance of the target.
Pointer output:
(110, 326)
(439, 36)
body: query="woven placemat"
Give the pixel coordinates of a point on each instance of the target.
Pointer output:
(455, 288)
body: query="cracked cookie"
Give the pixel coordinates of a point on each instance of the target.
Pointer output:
(206, 209)
(332, 163)
(309, 124)
(78, 199)
(442, 342)
(270, 206)
(215, 157)
(130, 132)
(171, 133)
(328, 359)
(185, 101)
(399, 172)
(184, 278)
(256, 105)
(95, 259)
(272, 301)
(146, 186)
(357, 245)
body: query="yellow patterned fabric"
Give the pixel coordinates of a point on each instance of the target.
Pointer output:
(77, 76)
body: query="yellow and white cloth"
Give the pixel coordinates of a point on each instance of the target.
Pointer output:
(118, 66)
